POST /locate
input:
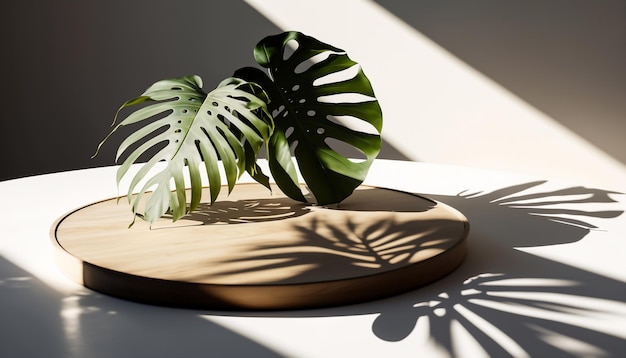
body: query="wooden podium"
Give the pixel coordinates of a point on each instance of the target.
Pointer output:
(259, 250)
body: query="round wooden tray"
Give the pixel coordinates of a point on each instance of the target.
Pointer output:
(258, 250)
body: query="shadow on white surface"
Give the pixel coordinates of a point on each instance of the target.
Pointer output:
(38, 321)
(503, 301)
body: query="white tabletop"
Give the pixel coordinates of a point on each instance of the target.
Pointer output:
(544, 276)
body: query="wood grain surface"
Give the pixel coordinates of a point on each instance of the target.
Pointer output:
(257, 249)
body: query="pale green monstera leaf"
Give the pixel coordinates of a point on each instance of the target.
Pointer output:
(322, 104)
(190, 129)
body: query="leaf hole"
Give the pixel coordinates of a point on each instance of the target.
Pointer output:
(307, 64)
(292, 146)
(290, 47)
(346, 150)
(276, 112)
(289, 131)
(285, 114)
(354, 124)
(215, 104)
(320, 130)
(302, 100)
(345, 98)
(310, 113)
(153, 150)
(209, 113)
(185, 111)
(295, 87)
(339, 76)
(225, 136)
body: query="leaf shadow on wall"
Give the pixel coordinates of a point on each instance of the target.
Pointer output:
(503, 301)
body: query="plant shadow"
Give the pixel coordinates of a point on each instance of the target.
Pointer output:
(246, 211)
(363, 235)
(503, 301)
(350, 250)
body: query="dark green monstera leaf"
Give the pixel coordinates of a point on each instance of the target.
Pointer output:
(189, 129)
(325, 114)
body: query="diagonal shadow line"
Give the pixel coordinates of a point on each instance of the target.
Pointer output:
(74, 325)
(479, 34)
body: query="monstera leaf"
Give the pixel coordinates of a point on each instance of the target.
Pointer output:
(323, 113)
(322, 103)
(187, 129)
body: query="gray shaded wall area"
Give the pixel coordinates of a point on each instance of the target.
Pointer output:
(68, 65)
(566, 58)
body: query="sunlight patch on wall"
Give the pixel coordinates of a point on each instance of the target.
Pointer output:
(436, 107)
